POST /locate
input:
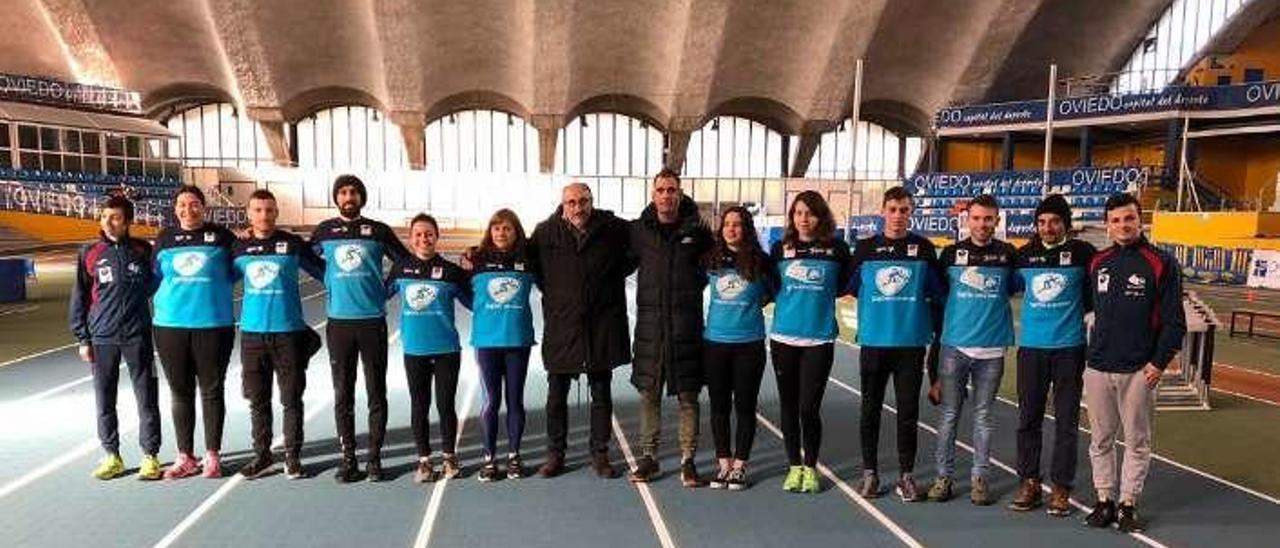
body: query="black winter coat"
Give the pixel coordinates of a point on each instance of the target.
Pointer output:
(584, 299)
(669, 284)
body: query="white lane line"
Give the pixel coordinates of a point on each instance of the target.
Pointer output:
(87, 378)
(230, 484)
(89, 446)
(969, 448)
(19, 310)
(1246, 370)
(1246, 396)
(48, 351)
(1154, 455)
(650, 503)
(40, 353)
(436, 501)
(853, 495)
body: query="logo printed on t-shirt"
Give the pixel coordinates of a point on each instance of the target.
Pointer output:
(890, 280)
(503, 289)
(1047, 286)
(976, 280)
(419, 296)
(349, 256)
(730, 285)
(262, 273)
(804, 274)
(189, 263)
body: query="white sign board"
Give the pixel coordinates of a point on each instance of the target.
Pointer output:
(1264, 269)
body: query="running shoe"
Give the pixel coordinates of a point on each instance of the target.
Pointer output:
(737, 480)
(261, 465)
(212, 465)
(795, 475)
(110, 467)
(184, 466)
(940, 491)
(809, 481)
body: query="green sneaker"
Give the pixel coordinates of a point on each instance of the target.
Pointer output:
(795, 476)
(809, 480)
(110, 467)
(150, 468)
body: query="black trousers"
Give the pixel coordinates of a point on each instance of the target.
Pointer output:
(350, 342)
(420, 370)
(802, 373)
(282, 355)
(1039, 372)
(558, 410)
(196, 358)
(906, 367)
(106, 379)
(733, 373)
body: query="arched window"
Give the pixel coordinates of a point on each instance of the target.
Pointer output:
(608, 144)
(1172, 42)
(881, 154)
(728, 146)
(481, 141)
(351, 137)
(216, 135)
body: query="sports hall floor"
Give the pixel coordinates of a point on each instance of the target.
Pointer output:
(48, 446)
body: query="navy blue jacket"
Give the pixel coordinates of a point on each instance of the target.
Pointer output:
(1137, 303)
(109, 298)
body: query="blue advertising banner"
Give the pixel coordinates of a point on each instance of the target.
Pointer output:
(1174, 98)
(1023, 182)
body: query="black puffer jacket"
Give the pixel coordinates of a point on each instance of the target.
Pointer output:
(668, 337)
(584, 299)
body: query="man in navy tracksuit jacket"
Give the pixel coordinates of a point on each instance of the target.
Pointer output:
(1138, 328)
(110, 317)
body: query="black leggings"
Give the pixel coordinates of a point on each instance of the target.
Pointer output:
(420, 370)
(906, 366)
(802, 373)
(282, 356)
(191, 358)
(496, 366)
(733, 381)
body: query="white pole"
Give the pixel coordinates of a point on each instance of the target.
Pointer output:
(1182, 162)
(853, 141)
(1048, 126)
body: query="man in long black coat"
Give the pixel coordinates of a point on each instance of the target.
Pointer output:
(582, 270)
(668, 241)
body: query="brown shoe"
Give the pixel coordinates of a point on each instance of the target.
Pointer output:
(1059, 501)
(646, 468)
(600, 463)
(553, 467)
(1027, 497)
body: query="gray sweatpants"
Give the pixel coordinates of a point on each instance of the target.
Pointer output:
(1116, 401)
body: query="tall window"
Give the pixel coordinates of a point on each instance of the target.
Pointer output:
(481, 141)
(215, 135)
(1172, 42)
(728, 146)
(609, 144)
(881, 154)
(354, 137)
(6, 150)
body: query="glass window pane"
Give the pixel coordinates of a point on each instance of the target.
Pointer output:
(28, 137)
(91, 142)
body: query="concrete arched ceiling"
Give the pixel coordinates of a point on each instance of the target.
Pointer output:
(675, 62)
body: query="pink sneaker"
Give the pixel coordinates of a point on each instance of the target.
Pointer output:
(184, 466)
(212, 465)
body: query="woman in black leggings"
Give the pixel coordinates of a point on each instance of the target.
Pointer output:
(741, 280)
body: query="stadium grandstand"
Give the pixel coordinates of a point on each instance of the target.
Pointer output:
(461, 109)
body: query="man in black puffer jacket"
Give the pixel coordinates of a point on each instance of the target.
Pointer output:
(668, 241)
(582, 267)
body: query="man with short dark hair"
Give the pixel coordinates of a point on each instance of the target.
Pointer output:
(1138, 328)
(896, 281)
(977, 327)
(275, 340)
(353, 248)
(668, 241)
(110, 317)
(582, 268)
(1053, 269)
